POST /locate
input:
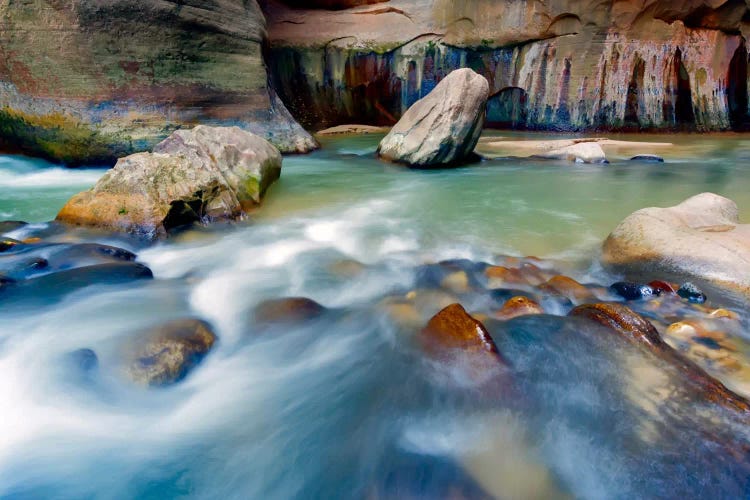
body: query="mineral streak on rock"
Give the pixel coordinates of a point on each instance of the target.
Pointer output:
(553, 65)
(87, 82)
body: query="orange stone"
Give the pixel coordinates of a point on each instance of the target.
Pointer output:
(519, 306)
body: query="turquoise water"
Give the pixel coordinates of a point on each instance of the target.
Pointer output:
(348, 407)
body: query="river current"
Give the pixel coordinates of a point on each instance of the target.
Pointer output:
(347, 407)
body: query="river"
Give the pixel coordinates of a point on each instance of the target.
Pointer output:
(347, 407)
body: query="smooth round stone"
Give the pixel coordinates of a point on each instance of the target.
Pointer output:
(692, 293)
(519, 306)
(632, 291)
(85, 360)
(165, 354)
(287, 310)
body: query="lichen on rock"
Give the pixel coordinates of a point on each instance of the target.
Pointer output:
(206, 173)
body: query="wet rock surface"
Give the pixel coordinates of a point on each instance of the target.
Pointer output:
(45, 271)
(558, 65)
(700, 239)
(193, 176)
(167, 353)
(289, 311)
(442, 128)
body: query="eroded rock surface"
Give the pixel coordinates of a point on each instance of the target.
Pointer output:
(194, 175)
(560, 64)
(700, 239)
(88, 82)
(165, 354)
(442, 128)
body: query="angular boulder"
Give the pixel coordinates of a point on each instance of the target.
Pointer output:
(165, 354)
(200, 174)
(442, 128)
(700, 239)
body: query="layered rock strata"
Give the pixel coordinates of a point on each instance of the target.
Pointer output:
(88, 82)
(551, 65)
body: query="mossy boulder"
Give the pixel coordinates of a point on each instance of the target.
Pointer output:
(201, 174)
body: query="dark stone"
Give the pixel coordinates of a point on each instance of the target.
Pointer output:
(692, 293)
(467, 265)
(708, 342)
(165, 354)
(632, 291)
(21, 267)
(51, 287)
(87, 254)
(287, 310)
(621, 319)
(11, 225)
(648, 158)
(85, 360)
(8, 243)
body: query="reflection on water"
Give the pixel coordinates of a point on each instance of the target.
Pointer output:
(348, 405)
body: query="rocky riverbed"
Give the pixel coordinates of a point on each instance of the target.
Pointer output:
(376, 327)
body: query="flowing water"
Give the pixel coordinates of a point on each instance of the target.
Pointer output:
(348, 406)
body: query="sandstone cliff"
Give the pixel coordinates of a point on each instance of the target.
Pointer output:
(554, 64)
(87, 81)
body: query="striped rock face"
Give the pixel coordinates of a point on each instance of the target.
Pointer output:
(560, 64)
(88, 82)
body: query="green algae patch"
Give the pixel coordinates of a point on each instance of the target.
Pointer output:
(59, 138)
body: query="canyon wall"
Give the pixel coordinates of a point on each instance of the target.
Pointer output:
(555, 64)
(86, 81)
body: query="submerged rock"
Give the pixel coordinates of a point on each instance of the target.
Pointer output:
(85, 360)
(453, 332)
(568, 288)
(8, 243)
(648, 158)
(165, 354)
(443, 127)
(637, 330)
(580, 152)
(288, 310)
(49, 288)
(519, 306)
(194, 175)
(701, 239)
(691, 293)
(11, 225)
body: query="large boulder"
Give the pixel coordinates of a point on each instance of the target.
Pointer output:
(200, 174)
(88, 82)
(700, 239)
(442, 128)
